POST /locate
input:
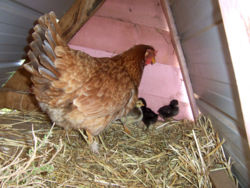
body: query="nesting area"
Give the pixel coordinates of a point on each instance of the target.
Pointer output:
(177, 154)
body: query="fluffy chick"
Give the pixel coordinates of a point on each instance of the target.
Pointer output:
(170, 110)
(149, 116)
(134, 116)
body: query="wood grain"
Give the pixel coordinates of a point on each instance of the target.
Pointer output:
(77, 15)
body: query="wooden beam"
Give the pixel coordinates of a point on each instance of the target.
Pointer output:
(236, 19)
(180, 56)
(77, 15)
(15, 94)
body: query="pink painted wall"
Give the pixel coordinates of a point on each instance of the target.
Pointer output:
(162, 83)
(117, 26)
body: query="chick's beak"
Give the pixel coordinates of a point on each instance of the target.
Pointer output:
(139, 104)
(153, 60)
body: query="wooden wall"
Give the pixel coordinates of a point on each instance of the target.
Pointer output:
(205, 47)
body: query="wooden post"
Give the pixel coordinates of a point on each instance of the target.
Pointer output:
(180, 56)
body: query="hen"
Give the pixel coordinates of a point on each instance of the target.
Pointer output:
(79, 91)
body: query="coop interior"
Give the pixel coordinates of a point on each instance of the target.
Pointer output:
(202, 53)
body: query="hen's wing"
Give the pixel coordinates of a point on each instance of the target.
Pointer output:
(72, 81)
(102, 88)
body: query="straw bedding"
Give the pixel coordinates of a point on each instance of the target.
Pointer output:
(35, 153)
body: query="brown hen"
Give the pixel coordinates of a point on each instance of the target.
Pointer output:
(79, 91)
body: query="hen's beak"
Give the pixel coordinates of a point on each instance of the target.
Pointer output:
(153, 61)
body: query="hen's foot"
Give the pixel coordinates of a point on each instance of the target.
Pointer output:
(126, 129)
(92, 143)
(67, 133)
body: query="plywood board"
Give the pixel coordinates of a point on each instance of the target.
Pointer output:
(221, 178)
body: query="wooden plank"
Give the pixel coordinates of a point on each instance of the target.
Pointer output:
(222, 103)
(201, 84)
(180, 56)
(236, 18)
(6, 39)
(208, 55)
(11, 56)
(204, 14)
(12, 47)
(44, 6)
(77, 15)
(210, 44)
(220, 95)
(12, 29)
(147, 12)
(220, 178)
(16, 14)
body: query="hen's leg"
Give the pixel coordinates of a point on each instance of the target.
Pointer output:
(125, 127)
(92, 142)
(67, 132)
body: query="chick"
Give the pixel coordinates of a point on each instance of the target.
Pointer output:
(134, 116)
(149, 116)
(170, 110)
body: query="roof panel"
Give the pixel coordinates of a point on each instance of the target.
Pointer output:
(58, 6)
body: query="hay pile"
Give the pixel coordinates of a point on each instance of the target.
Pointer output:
(179, 154)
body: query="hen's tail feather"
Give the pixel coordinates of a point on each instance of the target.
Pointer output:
(46, 37)
(49, 51)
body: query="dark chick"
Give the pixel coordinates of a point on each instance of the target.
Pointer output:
(170, 110)
(149, 116)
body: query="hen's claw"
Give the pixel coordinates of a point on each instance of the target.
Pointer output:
(92, 143)
(94, 147)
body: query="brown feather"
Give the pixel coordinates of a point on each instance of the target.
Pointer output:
(49, 51)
